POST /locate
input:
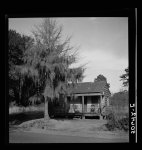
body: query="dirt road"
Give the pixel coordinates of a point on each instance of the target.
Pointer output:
(66, 131)
(29, 137)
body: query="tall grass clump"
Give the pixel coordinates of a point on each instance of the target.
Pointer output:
(117, 121)
(117, 114)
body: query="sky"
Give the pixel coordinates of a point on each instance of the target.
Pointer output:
(102, 41)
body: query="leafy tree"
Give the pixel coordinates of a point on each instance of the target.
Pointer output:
(48, 62)
(119, 99)
(17, 45)
(125, 78)
(101, 78)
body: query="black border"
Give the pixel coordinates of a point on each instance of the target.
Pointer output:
(119, 12)
(132, 56)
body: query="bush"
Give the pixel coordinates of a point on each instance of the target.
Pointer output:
(114, 122)
(124, 124)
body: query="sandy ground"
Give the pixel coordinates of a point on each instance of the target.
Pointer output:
(79, 128)
(31, 137)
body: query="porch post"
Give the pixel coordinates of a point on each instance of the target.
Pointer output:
(65, 102)
(83, 117)
(101, 117)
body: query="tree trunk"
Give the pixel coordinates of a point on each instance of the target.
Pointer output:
(46, 115)
(20, 91)
(38, 88)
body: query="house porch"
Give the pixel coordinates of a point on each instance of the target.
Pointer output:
(86, 105)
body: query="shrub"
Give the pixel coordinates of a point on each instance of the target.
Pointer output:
(115, 122)
(124, 124)
(112, 122)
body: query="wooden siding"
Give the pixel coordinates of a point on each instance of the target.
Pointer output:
(107, 94)
(103, 101)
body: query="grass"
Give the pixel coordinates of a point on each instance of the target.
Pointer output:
(21, 109)
(66, 124)
(76, 127)
(33, 120)
(18, 115)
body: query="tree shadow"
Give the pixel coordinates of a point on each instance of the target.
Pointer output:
(16, 119)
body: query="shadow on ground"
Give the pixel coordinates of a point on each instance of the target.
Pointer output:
(16, 119)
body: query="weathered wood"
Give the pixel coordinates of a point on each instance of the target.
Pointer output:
(83, 116)
(91, 115)
(88, 94)
(100, 107)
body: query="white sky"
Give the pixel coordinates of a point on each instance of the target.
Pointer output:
(103, 44)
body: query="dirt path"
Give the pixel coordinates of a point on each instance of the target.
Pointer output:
(29, 137)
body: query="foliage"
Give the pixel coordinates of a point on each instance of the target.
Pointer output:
(124, 124)
(119, 99)
(48, 61)
(125, 78)
(36, 99)
(101, 78)
(17, 45)
(51, 59)
(114, 121)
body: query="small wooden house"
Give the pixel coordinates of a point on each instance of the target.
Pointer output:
(89, 98)
(84, 99)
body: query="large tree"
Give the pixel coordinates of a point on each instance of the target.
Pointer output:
(17, 45)
(120, 98)
(48, 61)
(125, 78)
(101, 78)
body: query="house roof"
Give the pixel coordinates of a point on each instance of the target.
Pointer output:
(88, 87)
